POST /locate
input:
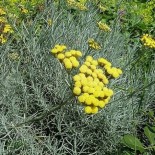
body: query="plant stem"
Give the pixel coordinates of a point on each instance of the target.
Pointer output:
(44, 114)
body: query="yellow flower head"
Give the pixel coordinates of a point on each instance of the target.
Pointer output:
(81, 98)
(58, 48)
(93, 44)
(89, 58)
(7, 28)
(76, 78)
(148, 41)
(60, 56)
(67, 63)
(103, 27)
(76, 5)
(2, 39)
(25, 11)
(77, 91)
(2, 12)
(94, 110)
(88, 110)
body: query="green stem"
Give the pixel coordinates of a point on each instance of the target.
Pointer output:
(44, 114)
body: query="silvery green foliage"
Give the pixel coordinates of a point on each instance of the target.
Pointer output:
(39, 81)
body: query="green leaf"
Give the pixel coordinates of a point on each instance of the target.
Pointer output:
(151, 113)
(127, 153)
(133, 143)
(150, 134)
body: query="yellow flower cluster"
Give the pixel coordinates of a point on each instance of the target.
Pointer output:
(23, 10)
(2, 12)
(93, 44)
(68, 58)
(110, 71)
(5, 28)
(148, 41)
(103, 26)
(102, 8)
(90, 84)
(76, 5)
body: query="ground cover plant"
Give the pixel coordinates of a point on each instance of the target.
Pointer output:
(73, 80)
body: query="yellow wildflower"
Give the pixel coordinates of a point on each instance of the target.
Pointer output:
(2, 39)
(93, 44)
(68, 64)
(76, 5)
(25, 11)
(76, 78)
(2, 12)
(103, 26)
(94, 110)
(77, 91)
(7, 28)
(60, 56)
(89, 58)
(88, 110)
(148, 41)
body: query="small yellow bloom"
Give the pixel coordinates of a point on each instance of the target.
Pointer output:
(68, 54)
(75, 63)
(2, 39)
(76, 78)
(60, 56)
(72, 58)
(119, 71)
(102, 104)
(73, 52)
(78, 84)
(89, 58)
(83, 69)
(68, 64)
(77, 91)
(87, 63)
(89, 71)
(7, 28)
(95, 102)
(91, 90)
(94, 62)
(93, 67)
(84, 81)
(94, 75)
(88, 110)
(81, 98)
(82, 75)
(89, 78)
(115, 74)
(2, 12)
(85, 89)
(78, 54)
(25, 11)
(93, 44)
(88, 101)
(103, 26)
(94, 110)
(97, 93)
(148, 41)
